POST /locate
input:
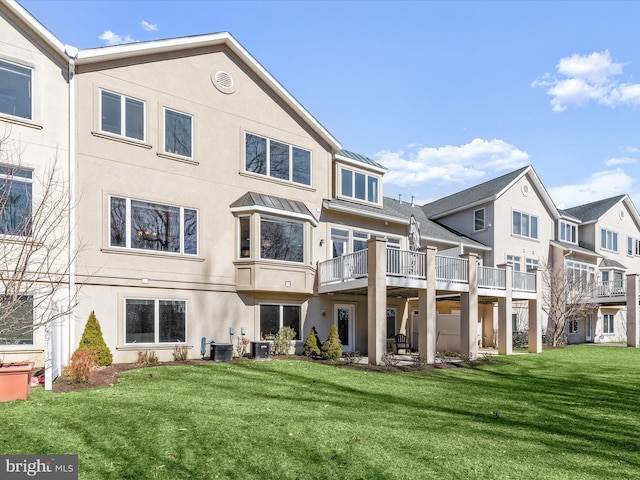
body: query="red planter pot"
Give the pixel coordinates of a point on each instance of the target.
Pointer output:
(15, 381)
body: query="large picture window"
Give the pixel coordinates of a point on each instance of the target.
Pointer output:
(121, 115)
(152, 226)
(18, 319)
(155, 321)
(359, 185)
(273, 317)
(281, 240)
(16, 189)
(525, 225)
(178, 136)
(16, 90)
(274, 159)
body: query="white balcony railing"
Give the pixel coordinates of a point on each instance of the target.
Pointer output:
(346, 267)
(612, 288)
(490, 277)
(524, 281)
(451, 269)
(405, 263)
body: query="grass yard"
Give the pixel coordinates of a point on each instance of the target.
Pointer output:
(571, 413)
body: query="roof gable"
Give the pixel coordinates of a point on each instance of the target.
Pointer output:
(591, 212)
(141, 50)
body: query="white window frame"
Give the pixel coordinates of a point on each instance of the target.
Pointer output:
(630, 246)
(128, 246)
(476, 219)
(525, 218)
(31, 89)
(15, 174)
(608, 240)
(268, 160)
(572, 325)
(568, 232)
(367, 176)
(514, 260)
(123, 116)
(608, 323)
(156, 320)
(531, 264)
(164, 132)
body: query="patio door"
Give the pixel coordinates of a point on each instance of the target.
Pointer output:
(588, 325)
(413, 330)
(344, 319)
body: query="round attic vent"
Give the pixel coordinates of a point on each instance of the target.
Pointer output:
(621, 214)
(525, 189)
(223, 81)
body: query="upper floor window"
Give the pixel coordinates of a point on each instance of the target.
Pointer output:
(637, 250)
(281, 240)
(478, 220)
(152, 226)
(525, 225)
(629, 245)
(580, 273)
(358, 185)
(274, 159)
(608, 240)
(16, 97)
(16, 185)
(245, 237)
(568, 232)
(178, 136)
(121, 115)
(515, 262)
(531, 264)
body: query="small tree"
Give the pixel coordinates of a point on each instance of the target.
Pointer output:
(93, 341)
(565, 296)
(282, 341)
(332, 348)
(312, 344)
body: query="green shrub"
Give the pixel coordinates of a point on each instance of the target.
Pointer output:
(93, 340)
(82, 366)
(332, 348)
(312, 344)
(282, 341)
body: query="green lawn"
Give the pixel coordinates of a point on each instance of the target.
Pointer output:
(569, 413)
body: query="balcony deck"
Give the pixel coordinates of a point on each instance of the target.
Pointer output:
(406, 270)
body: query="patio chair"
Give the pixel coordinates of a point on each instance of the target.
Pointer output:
(401, 343)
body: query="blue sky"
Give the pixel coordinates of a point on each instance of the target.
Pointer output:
(445, 94)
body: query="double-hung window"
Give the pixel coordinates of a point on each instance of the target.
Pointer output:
(274, 159)
(608, 240)
(16, 90)
(16, 188)
(359, 185)
(478, 220)
(178, 133)
(273, 317)
(155, 321)
(281, 239)
(525, 225)
(607, 320)
(121, 115)
(629, 245)
(568, 232)
(141, 225)
(515, 262)
(531, 264)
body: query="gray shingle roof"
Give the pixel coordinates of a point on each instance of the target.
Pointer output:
(472, 195)
(575, 248)
(360, 158)
(607, 263)
(402, 211)
(594, 210)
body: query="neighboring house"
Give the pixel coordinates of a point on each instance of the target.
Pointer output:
(610, 230)
(34, 137)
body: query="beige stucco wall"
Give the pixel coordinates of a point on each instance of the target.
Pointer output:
(41, 141)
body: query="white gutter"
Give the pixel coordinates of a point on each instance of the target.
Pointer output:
(72, 52)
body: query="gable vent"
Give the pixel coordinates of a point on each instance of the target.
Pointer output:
(223, 81)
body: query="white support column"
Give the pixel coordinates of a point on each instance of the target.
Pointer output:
(633, 313)
(469, 310)
(505, 338)
(535, 316)
(376, 299)
(427, 308)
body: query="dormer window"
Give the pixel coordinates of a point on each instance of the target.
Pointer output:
(359, 185)
(568, 232)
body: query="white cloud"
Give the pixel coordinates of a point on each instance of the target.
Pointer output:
(581, 79)
(620, 161)
(451, 164)
(603, 184)
(115, 39)
(630, 149)
(149, 27)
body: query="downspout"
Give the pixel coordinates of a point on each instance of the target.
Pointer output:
(72, 53)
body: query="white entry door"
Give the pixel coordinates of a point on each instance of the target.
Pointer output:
(588, 327)
(343, 317)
